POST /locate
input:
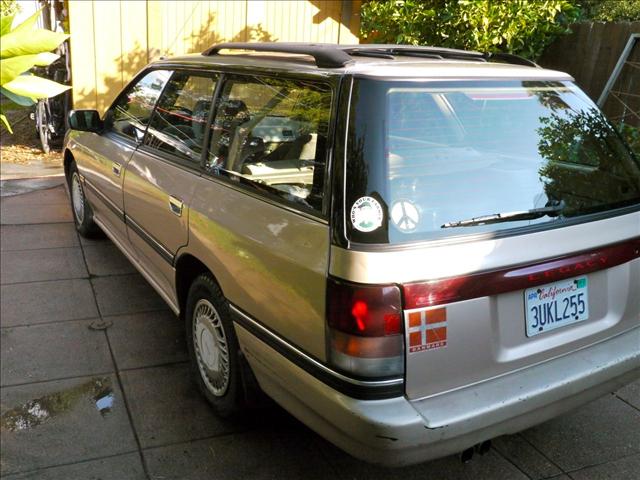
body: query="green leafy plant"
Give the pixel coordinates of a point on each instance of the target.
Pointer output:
(22, 48)
(631, 135)
(9, 7)
(611, 10)
(522, 27)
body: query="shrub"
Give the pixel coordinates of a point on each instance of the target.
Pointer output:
(9, 7)
(631, 135)
(522, 27)
(21, 48)
(611, 10)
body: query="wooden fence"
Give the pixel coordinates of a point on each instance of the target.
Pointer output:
(111, 41)
(590, 54)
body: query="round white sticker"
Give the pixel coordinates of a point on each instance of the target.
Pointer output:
(405, 215)
(366, 214)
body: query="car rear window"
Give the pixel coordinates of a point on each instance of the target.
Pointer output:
(427, 160)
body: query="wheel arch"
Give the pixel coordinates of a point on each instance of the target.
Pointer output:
(188, 268)
(68, 158)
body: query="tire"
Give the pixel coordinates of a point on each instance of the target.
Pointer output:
(214, 352)
(42, 125)
(82, 212)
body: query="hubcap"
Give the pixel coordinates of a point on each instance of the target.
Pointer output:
(77, 197)
(211, 349)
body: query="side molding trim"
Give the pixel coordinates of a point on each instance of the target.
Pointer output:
(360, 389)
(160, 249)
(110, 205)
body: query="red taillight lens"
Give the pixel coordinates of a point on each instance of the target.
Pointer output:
(365, 328)
(366, 311)
(456, 289)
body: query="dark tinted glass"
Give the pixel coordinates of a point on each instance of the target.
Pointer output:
(271, 134)
(178, 124)
(130, 115)
(436, 154)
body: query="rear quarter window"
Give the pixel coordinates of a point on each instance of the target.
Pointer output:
(270, 135)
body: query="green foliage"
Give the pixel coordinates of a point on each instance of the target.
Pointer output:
(9, 7)
(21, 48)
(631, 135)
(521, 27)
(611, 10)
(588, 142)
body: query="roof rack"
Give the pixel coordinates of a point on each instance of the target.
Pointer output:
(511, 58)
(327, 55)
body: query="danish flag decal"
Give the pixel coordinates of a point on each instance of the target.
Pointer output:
(427, 329)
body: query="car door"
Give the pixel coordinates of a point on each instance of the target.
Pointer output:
(160, 176)
(104, 156)
(257, 217)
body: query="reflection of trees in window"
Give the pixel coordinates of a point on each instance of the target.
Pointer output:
(586, 164)
(312, 107)
(132, 111)
(357, 166)
(549, 94)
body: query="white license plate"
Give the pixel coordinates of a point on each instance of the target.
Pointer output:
(556, 305)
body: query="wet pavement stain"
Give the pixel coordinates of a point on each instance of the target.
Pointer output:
(40, 410)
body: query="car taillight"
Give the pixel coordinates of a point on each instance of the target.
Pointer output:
(520, 277)
(365, 328)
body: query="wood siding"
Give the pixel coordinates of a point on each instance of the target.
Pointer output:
(590, 54)
(112, 40)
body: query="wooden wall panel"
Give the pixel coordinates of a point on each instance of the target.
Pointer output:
(83, 54)
(301, 21)
(133, 38)
(111, 41)
(155, 20)
(590, 54)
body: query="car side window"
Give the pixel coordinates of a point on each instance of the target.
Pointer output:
(179, 121)
(271, 134)
(130, 114)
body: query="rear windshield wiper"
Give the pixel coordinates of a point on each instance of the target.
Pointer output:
(534, 213)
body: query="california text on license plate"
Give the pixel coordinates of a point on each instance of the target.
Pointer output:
(556, 304)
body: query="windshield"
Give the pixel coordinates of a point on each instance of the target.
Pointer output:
(434, 159)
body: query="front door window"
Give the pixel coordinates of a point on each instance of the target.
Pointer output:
(178, 124)
(130, 114)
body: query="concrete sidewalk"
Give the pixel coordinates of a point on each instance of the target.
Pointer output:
(95, 384)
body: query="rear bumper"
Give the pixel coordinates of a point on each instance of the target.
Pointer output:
(397, 431)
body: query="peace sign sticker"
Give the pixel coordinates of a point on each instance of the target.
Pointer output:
(405, 216)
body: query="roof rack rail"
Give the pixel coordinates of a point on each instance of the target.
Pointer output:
(511, 58)
(412, 50)
(329, 55)
(325, 55)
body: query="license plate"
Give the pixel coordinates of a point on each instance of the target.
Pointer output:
(556, 305)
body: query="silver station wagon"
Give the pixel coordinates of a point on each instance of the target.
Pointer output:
(412, 250)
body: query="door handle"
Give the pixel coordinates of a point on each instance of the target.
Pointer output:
(116, 168)
(175, 204)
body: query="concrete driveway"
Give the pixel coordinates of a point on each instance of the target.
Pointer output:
(95, 384)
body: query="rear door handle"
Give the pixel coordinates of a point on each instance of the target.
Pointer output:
(175, 204)
(116, 168)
